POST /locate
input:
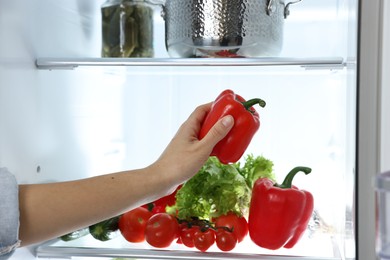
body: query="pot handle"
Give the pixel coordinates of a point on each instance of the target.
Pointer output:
(287, 7)
(271, 7)
(158, 3)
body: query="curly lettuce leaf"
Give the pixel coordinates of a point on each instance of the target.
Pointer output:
(219, 188)
(255, 168)
(215, 190)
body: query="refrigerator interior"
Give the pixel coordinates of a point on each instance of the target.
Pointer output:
(59, 125)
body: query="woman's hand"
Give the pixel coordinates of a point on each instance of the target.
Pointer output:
(186, 154)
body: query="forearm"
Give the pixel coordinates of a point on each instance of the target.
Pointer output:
(50, 210)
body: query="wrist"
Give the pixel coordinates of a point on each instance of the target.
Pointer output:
(162, 178)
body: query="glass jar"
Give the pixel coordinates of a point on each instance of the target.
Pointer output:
(127, 28)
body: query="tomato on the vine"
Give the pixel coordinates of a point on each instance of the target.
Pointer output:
(187, 236)
(132, 224)
(225, 240)
(161, 230)
(237, 224)
(204, 239)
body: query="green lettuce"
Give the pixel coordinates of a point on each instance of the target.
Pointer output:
(220, 188)
(255, 168)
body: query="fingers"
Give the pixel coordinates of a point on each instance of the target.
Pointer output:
(192, 125)
(200, 113)
(218, 131)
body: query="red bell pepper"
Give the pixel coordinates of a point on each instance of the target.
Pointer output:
(160, 205)
(246, 123)
(279, 214)
(228, 54)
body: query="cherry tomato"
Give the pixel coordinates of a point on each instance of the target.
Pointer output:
(203, 240)
(161, 230)
(237, 224)
(225, 240)
(132, 224)
(187, 236)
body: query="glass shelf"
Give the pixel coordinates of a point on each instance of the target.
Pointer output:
(119, 248)
(72, 63)
(70, 252)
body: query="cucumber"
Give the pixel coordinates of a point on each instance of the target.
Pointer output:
(105, 230)
(75, 234)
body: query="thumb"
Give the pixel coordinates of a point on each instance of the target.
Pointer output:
(220, 129)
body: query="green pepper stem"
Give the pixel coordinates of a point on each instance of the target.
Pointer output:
(287, 183)
(249, 103)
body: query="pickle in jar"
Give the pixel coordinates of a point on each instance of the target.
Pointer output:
(127, 30)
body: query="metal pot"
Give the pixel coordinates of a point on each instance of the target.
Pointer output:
(214, 28)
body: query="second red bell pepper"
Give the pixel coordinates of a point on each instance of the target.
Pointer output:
(279, 214)
(246, 123)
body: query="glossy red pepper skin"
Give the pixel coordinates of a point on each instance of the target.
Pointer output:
(278, 216)
(246, 123)
(159, 205)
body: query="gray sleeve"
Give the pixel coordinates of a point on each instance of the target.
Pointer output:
(9, 214)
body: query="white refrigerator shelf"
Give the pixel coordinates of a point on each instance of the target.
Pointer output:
(71, 63)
